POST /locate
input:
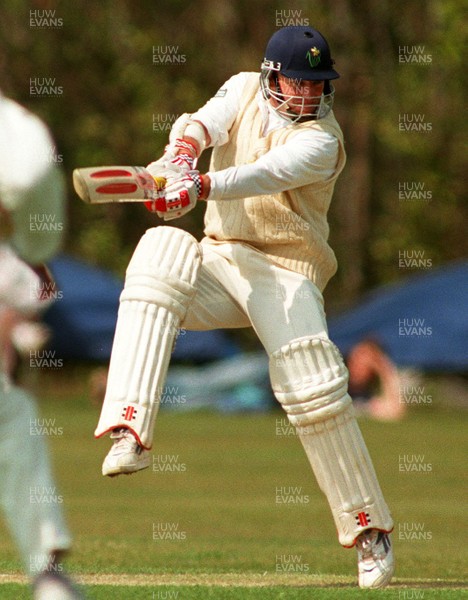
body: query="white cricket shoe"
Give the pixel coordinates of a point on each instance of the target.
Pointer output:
(54, 586)
(126, 455)
(375, 559)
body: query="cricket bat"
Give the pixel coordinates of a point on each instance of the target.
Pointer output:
(101, 185)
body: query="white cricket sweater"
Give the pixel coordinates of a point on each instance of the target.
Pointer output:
(290, 226)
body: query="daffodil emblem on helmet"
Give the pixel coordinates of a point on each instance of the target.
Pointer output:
(313, 56)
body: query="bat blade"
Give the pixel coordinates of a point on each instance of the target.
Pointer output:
(102, 185)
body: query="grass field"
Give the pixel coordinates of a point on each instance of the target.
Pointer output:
(229, 508)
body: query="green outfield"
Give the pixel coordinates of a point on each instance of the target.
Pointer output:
(229, 508)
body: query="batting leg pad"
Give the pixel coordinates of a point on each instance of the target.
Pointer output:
(159, 286)
(309, 378)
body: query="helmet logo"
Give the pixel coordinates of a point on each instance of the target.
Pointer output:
(313, 56)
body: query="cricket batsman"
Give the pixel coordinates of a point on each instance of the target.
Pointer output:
(263, 263)
(30, 188)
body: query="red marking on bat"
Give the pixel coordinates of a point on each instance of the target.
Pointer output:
(111, 173)
(117, 188)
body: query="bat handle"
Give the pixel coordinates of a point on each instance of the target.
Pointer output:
(160, 182)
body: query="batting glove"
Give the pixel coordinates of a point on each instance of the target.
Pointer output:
(178, 159)
(179, 197)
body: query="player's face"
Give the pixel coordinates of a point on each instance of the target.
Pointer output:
(307, 93)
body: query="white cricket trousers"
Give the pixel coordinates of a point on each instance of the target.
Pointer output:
(239, 286)
(28, 495)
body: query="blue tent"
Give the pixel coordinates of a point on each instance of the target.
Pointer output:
(421, 322)
(83, 319)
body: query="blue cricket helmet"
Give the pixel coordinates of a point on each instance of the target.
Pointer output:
(300, 53)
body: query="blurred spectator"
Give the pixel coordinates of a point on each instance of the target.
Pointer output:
(374, 382)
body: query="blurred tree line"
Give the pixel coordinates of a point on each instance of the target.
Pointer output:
(110, 78)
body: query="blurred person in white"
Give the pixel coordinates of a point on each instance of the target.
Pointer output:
(32, 217)
(23, 302)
